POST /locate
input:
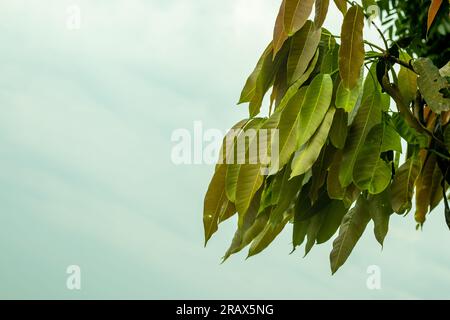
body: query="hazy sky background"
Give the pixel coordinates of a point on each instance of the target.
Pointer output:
(86, 177)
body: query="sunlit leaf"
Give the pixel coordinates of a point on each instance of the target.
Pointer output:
(424, 187)
(403, 185)
(352, 228)
(315, 105)
(407, 80)
(346, 99)
(351, 53)
(295, 14)
(303, 47)
(306, 157)
(321, 12)
(341, 5)
(432, 12)
(279, 32)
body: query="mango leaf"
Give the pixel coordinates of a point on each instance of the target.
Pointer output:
(305, 159)
(406, 132)
(272, 229)
(216, 203)
(346, 99)
(424, 186)
(303, 47)
(288, 126)
(352, 228)
(293, 89)
(371, 172)
(313, 230)
(339, 129)
(250, 177)
(279, 33)
(432, 85)
(436, 189)
(391, 140)
(334, 213)
(299, 233)
(334, 188)
(319, 171)
(369, 115)
(315, 105)
(351, 53)
(380, 212)
(432, 12)
(266, 77)
(249, 90)
(407, 81)
(341, 5)
(252, 226)
(295, 14)
(330, 60)
(239, 153)
(321, 12)
(403, 185)
(227, 150)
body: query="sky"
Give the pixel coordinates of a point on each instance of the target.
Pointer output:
(86, 178)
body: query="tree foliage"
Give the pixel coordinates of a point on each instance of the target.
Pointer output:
(362, 129)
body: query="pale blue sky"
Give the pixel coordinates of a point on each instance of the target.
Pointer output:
(86, 177)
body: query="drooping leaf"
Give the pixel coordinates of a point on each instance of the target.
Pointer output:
(432, 85)
(380, 212)
(314, 107)
(347, 98)
(330, 61)
(288, 126)
(352, 228)
(371, 172)
(351, 53)
(334, 188)
(239, 155)
(334, 213)
(407, 80)
(403, 185)
(306, 158)
(406, 132)
(436, 189)
(216, 203)
(339, 129)
(321, 12)
(266, 76)
(249, 90)
(369, 115)
(279, 32)
(250, 176)
(424, 186)
(303, 47)
(295, 14)
(313, 230)
(293, 89)
(341, 5)
(253, 224)
(432, 12)
(319, 172)
(391, 140)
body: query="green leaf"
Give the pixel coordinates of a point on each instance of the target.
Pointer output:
(252, 226)
(369, 115)
(380, 212)
(303, 47)
(240, 153)
(313, 230)
(403, 185)
(391, 140)
(216, 203)
(293, 89)
(335, 189)
(334, 213)
(279, 33)
(272, 229)
(249, 90)
(432, 85)
(341, 5)
(371, 172)
(299, 233)
(266, 77)
(288, 126)
(406, 132)
(347, 98)
(351, 54)
(321, 12)
(352, 228)
(339, 129)
(296, 13)
(424, 185)
(305, 159)
(407, 81)
(315, 105)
